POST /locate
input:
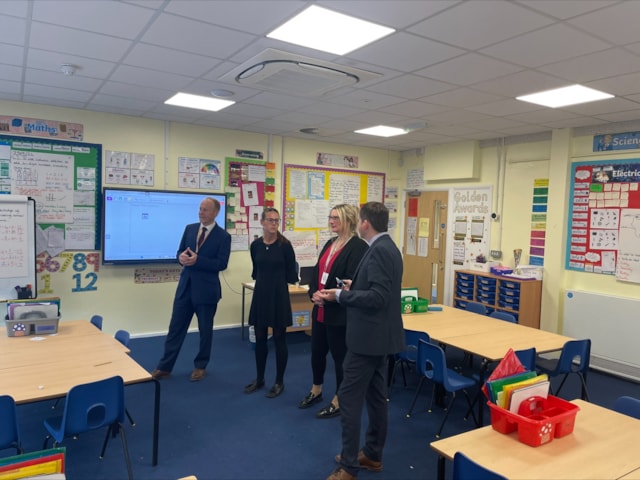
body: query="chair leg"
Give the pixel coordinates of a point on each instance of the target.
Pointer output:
(106, 439)
(131, 421)
(585, 393)
(471, 405)
(126, 451)
(46, 442)
(447, 411)
(55, 404)
(415, 397)
(557, 394)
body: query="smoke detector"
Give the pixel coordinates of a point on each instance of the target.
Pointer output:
(295, 74)
(68, 69)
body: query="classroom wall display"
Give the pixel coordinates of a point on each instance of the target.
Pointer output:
(604, 218)
(538, 221)
(199, 173)
(129, 168)
(17, 247)
(64, 178)
(308, 196)
(470, 209)
(250, 187)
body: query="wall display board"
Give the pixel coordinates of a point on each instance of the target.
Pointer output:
(604, 218)
(249, 184)
(17, 247)
(308, 196)
(64, 179)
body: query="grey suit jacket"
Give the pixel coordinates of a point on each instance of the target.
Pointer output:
(374, 319)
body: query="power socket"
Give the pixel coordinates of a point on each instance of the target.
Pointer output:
(496, 254)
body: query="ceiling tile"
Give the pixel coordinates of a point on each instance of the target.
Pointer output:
(551, 44)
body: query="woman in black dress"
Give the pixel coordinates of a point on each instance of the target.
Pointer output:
(274, 268)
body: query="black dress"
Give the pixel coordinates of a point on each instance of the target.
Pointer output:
(273, 269)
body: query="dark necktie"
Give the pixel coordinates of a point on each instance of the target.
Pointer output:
(202, 236)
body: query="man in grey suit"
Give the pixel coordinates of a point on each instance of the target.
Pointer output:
(374, 331)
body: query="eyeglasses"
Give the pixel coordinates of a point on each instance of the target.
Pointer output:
(334, 218)
(272, 220)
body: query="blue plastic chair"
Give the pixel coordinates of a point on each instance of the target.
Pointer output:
(433, 366)
(466, 469)
(97, 321)
(628, 405)
(407, 357)
(574, 358)
(9, 432)
(91, 406)
(506, 316)
(123, 337)
(476, 307)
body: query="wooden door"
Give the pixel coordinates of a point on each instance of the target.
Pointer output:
(424, 249)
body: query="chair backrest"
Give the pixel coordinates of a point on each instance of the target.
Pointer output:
(9, 432)
(123, 337)
(578, 351)
(506, 316)
(628, 405)
(93, 405)
(97, 321)
(411, 340)
(527, 358)
(476, 307)
(432, 362)
(466, 469)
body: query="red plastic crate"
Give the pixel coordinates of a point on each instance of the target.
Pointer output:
(539, 420)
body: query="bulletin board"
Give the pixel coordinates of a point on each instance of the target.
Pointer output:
(309, 195)
(604, 219)
(250, 187)
(64, 179)
(17, 246)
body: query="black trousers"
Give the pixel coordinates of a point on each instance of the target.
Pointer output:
(365, 381)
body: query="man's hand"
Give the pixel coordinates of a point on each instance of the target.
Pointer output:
(327, 295)
(188, 257)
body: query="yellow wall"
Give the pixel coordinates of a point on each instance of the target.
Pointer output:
(145, 309)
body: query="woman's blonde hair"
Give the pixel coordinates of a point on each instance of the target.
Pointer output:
(348, 215)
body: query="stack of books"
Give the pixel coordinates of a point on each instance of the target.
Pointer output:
(41, 465)
(509, 392)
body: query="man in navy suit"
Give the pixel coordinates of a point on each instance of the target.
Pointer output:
(374, 330)
(204, 252)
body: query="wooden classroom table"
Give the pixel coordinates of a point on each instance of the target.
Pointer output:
(480, 335)
(300, 302)
(602, 445)
(42, 367)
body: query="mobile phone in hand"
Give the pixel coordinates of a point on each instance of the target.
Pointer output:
(339, 282)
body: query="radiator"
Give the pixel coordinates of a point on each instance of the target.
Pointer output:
(613, 325)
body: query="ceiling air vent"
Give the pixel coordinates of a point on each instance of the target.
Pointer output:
(295, 74)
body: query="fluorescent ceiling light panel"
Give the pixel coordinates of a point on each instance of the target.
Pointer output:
(198, 102)
(561, 97)
(382, 131)
(328, 31)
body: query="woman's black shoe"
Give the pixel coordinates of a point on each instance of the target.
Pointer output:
(253, 386)
(329, 411)
(276, 390)
(310, 399)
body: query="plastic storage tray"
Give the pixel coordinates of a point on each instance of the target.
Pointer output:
(539, 420)
(32, 326)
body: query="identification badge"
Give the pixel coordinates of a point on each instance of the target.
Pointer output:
(325, 277)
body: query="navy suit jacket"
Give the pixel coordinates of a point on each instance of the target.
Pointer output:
(201, 280)
(374, 311)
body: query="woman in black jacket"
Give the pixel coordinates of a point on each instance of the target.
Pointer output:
(337, 261)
